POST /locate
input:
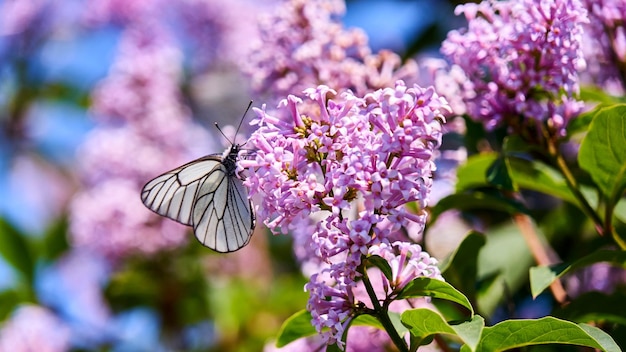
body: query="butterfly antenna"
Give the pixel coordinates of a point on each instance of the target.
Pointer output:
(219, 129)
(238, 127)
(243, 116)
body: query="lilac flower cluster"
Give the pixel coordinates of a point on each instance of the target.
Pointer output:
(139, 136)
(605, 44)
(522, 59)
(353, 163)
(302, 44)
(359, 338)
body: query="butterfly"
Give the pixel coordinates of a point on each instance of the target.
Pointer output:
(208, 195)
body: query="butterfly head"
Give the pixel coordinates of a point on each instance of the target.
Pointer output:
(232, 153)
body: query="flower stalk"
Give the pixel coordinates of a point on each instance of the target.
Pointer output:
(381, 312)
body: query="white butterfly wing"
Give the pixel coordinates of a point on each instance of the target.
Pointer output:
(223, 214)
(203, 194)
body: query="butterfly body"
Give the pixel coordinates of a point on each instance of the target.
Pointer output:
(208, 195)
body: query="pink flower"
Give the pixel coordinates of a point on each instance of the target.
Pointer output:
(521, 58)
(302, 44)
(331, 304)
(34, 328)
(352, 163)
(605, 45)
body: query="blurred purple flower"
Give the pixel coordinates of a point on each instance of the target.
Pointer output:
(34, 328)
(28, 21)
(215, 31)
(17, 16)
(605, 45)
(601, 277)
(98, 12)
(302, 44)
(522, 59)
(312, 343)
(144, 130)
(449, 81)
(220, 31)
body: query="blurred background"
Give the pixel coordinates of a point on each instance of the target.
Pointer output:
(96, 98)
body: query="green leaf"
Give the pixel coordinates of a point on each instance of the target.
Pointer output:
(367, 320)
(473, 173)
(422, 286)
(333, 348)
(542, 276)
(516, 146)
(596, 94)
(498, 175)
(620, 210)
(9, 300)
(477, 200)
(397, 323)
(596, 306)
(581, 123)
(295, 327)
(603, 152)
(491, 290)
(461, 267)
(537, 176)
(526, 174)
(549, 330)
(15, 249)
(381, 264)
(423, 323)
(54, 241)
(370, 320)
(505, 259)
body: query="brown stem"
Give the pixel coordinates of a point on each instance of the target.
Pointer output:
(441, 343)
(541, 252)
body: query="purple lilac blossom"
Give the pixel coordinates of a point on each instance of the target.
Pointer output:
(361, 338)
(605, 45)
(98, 12)
(302, 44)
(600, 277)
(522, 59)
(29, 22)
(449, 81)
(407, 262)
(364, 338)
(18, 16)
(212, 31)
(355, 162)
(142, 132)
(34, 328)
(219, 31)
